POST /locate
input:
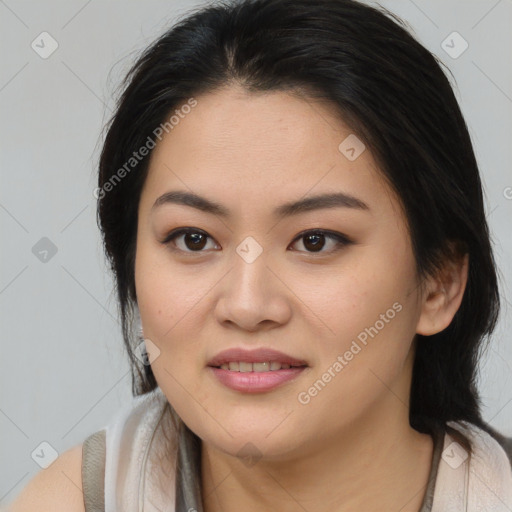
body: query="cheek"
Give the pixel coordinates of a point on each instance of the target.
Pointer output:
(160, 294)
(174, 300)
(367, 312)
(347, 301)
(168, 303)
(356, 366)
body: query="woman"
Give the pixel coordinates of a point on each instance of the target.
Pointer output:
(293, 213)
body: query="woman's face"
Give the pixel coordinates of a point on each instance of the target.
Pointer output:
(257, 279)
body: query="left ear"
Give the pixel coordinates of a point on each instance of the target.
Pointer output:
(443, 296)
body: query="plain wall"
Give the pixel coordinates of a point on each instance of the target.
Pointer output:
(63, 370)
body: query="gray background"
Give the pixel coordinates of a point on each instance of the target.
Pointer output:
(63, 371)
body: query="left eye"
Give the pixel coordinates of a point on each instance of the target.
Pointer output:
(314, 241)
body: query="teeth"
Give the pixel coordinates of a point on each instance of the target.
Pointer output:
(241, 366)
(261, 367)
(245, 367)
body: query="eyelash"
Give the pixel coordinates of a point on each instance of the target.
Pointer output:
(341, 240)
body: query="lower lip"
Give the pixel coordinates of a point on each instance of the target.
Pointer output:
(256, 382)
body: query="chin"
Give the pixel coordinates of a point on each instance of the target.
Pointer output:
(254, 442)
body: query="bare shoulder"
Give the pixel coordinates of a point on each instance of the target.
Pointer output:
(56, 488)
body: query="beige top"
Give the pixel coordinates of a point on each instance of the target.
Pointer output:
(131, 466)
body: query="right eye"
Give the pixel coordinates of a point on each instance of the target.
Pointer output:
(194, 240)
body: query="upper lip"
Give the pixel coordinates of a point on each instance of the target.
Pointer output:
(259, 355)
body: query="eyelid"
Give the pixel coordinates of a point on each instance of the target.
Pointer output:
(344, 239)
(175, 233)
(181, 231)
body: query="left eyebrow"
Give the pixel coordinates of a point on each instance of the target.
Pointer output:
(333, 200)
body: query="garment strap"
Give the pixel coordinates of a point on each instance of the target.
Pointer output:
(438, 439)
(188, 472)
(93, 471)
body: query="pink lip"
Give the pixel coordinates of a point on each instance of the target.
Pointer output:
(259, 355)
(255, 382)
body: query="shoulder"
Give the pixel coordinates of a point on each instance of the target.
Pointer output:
(56, 488)
(111, 459)
(491, 440)
(504, 441)
(487, 472)
(140, 449)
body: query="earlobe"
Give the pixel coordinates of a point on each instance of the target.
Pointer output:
(443, 297)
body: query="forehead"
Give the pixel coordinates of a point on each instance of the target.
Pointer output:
(263, 148)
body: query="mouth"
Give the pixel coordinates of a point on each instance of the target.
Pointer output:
(265, 366)
(256, 360)
(255, 371)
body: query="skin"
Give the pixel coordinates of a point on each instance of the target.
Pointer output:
(351, 447)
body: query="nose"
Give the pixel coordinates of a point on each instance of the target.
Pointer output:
(252, 297)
